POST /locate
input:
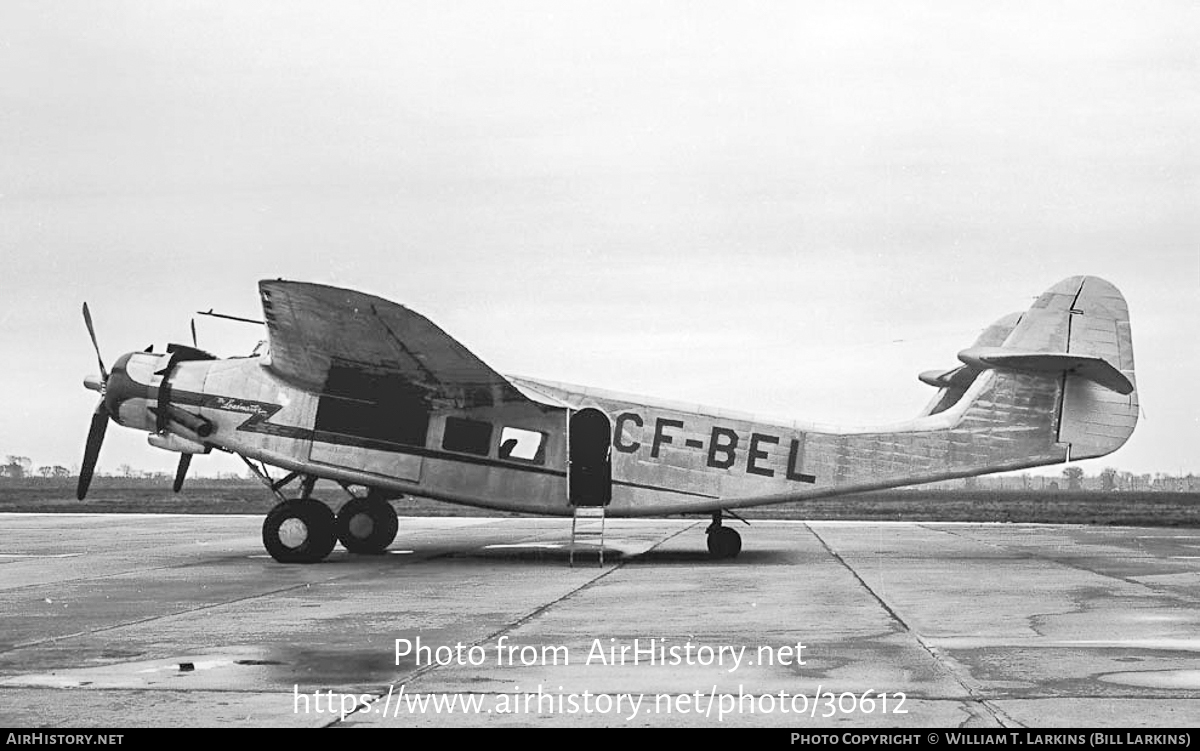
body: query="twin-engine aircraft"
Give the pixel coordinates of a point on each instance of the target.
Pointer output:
(362, 391)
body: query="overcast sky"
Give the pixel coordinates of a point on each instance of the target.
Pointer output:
(790, 208)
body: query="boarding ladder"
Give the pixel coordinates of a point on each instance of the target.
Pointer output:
(587, 523)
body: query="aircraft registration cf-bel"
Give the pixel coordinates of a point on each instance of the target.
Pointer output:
(365, 392)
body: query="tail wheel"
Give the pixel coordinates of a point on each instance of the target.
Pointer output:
(724, 542)
(299, 531)
(367, 525)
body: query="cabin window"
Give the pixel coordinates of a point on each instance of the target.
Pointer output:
(375, 409)
(467, 436)
(523, 445)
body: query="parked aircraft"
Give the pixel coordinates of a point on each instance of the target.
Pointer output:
(365, 392)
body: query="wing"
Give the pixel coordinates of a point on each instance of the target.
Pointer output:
(338, 341)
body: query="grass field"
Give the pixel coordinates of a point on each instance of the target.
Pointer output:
(118, 495)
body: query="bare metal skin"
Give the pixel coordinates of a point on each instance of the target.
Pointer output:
(365, 392)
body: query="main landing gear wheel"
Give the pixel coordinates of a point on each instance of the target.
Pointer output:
(724, 542)
(367, 525)
(299, 531)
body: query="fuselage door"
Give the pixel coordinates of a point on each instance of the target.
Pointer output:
(589, 458)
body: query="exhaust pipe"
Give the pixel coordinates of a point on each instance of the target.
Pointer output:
(194, 423)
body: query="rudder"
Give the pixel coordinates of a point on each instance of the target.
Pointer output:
(1095, 420)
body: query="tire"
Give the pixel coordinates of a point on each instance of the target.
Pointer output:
(733, 542)
(299, 531)
(724, 542)
(367, 526)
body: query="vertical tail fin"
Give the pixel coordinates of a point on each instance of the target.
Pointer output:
(1042, 387)
(1063, 370)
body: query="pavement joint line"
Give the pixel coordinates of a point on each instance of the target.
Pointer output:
(997, 715)
(1034, 620)
(411, 560)
(604, 573)
(188, 564)
(972, 711)
(415, 559)
(160, 616)
(1103, 549)
(1029, 555)
(208, 606)
(94, 577)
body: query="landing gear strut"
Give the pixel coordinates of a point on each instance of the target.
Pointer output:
(723, 542)
(367, 525)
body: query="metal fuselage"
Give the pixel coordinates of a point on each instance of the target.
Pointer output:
(1048, 385)
(665, 457)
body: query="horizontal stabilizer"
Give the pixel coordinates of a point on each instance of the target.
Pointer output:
(1095, 369)
(960, 377)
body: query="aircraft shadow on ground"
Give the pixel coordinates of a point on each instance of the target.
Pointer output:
(746, 557)
(612, 556)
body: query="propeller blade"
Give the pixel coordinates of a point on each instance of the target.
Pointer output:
(195, 343)
(185, 461)
(92, 450)
(87, 318)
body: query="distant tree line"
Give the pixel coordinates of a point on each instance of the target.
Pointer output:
(21, 468)
(1073, 478)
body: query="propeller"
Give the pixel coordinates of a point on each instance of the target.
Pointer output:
(87, 318)
(100, 416)
(185, 461)
(103, 413)
(92, 450)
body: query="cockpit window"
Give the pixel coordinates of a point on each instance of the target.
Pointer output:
(467, 436)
